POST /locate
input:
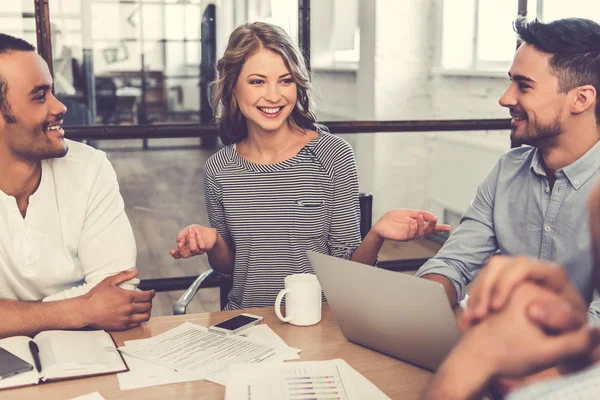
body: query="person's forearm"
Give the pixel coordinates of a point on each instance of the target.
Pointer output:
(368, 250)
(31, 317)
(221, 257)
(446, 283)
(461, 376)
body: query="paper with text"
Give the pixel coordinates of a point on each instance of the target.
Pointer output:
(195, 350)
(144, 373)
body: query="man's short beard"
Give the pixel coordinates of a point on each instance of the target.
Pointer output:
(544, 136)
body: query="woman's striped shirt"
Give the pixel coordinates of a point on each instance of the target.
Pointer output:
(269, 215)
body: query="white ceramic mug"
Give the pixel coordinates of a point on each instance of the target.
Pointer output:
(303, 300)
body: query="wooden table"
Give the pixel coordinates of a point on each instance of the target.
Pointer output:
(323, 341)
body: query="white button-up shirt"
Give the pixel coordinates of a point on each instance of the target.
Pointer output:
(75, 232)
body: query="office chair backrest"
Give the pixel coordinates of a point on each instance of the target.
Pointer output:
(106, 97)
(366, 213)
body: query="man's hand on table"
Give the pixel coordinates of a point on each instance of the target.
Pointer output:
(111, 308)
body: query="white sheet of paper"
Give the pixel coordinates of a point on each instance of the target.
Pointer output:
(300, 380)
(144, 373)
(195, 350)
(265, 335)
(90, 396)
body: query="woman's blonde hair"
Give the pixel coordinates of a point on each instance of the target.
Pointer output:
(246, 40)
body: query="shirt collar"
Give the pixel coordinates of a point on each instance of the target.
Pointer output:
(577, 172)
(536, 164)
(584, 167)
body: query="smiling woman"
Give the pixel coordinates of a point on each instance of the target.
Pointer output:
(262, 56)
(283, 185)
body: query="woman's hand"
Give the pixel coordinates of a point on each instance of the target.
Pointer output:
(193, 241)
(406, 224)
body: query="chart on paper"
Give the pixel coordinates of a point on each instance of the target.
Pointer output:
(319, 380)
(304, 384)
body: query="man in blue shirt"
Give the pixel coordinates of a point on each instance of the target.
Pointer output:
(524, 315)
(533, 201)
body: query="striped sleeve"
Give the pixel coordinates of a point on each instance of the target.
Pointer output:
(344, 235)
(214, 204)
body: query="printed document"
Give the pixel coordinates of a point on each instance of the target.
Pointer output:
(303, 380)
(193, 349)
(144, 373)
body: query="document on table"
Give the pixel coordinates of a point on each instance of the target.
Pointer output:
(333, 379)
(144, 373)
(265, 335)
(206, 355)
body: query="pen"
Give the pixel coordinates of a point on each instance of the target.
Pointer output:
(35, 352)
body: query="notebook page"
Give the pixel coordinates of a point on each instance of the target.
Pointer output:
(19, 346)
(75, 353)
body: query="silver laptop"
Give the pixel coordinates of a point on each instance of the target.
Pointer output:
(394, 313)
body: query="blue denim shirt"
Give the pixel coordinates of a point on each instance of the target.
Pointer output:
(515, 212)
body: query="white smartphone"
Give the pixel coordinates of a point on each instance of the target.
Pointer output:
(236, 324)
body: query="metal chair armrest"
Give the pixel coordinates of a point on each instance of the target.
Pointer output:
(181, 304)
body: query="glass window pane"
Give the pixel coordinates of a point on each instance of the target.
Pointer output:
(16, 19)
(123, 36)
(101, 14)
(496, 40)
(193, 16)
(154, 55)
(19, 6)
(154, 24)
(556, 9)
(174, 22)
(116, 55)
(126, 21)
(175, 58)
(283, 13)
(457, 38)
(192, 53)
(65, 6)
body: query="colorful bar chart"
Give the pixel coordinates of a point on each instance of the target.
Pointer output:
(315, 386)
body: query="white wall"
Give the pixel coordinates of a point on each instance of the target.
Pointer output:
(345, 103)
(399, 48)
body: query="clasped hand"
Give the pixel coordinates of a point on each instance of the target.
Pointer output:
(524, 315)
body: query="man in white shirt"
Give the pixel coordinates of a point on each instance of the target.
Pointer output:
(67, 251)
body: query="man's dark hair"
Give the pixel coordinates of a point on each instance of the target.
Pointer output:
(7, 44)
(574, 46)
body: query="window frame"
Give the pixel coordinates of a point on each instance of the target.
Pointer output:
(477, 67)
